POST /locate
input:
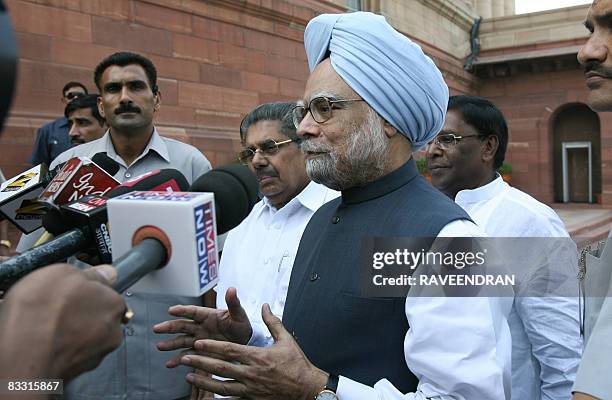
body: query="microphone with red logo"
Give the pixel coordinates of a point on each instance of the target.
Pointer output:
(19, 196)
(79, 177)
(82, 225)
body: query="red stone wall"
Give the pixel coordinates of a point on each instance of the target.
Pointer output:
(216, 60)
(530, 104)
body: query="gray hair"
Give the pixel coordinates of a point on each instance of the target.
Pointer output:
(270, 112)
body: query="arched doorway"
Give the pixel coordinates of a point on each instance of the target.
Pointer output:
(577, 155)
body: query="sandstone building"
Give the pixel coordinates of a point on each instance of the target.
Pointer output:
(219, 58)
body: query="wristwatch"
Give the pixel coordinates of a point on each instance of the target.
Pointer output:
(329, 392)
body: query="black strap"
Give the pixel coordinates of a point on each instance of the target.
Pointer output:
(332, 383)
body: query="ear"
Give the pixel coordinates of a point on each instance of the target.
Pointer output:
(390, 130)
(489, 147)
(100, 107)
(157, 100)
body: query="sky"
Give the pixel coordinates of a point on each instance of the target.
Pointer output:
(525, 6)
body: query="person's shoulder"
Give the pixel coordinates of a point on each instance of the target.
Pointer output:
(327, 208)
(177, 144)
(60, 123)
(62, 158)
(242, 228)
(82, 150)
(184, 149)
(526, 209)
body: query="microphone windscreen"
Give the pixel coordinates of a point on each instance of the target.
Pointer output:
(246, 177)
(106, 163)
(235, 190)
(53, 222)
(158, 180)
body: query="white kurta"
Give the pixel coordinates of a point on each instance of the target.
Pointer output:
(545, 330)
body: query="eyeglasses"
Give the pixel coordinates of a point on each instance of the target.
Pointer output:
(447, 140)
(72, 95)
(267, 148)
(320, 108)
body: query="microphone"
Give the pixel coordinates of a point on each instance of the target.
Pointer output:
(236, 192)
(19, 201)
(157, 229)
(167, 242)
(82, 225)
(162, 179)
(81, 176)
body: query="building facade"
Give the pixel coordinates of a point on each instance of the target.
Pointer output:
(217, 59)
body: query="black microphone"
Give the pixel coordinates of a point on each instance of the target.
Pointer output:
(236, 192)
(106, 163)
(83, 224)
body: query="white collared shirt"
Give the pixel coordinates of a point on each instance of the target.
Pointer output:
(545, 331)
(258, 254)
(160, 153)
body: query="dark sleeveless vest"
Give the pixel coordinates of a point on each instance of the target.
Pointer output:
(339, 330)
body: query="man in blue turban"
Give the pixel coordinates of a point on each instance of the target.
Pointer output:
(371, 99)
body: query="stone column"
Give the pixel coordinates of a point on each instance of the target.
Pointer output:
(483, 8)
(509, 8)
(497, 8)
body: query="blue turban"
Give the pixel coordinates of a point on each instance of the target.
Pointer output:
(388, 70)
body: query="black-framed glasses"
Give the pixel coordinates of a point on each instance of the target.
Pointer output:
(266, 148)
(447, 140)
(320, 108)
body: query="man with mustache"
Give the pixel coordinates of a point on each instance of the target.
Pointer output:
(463, 159)
(593, 378)
(372, 98)
(86, 123)
(129, 98)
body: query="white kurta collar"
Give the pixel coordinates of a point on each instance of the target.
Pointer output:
(310, 197)
(483, 193)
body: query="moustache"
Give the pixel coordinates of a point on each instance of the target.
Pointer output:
(598, 67)
(266, 171)
(124, 108)
(308, 146)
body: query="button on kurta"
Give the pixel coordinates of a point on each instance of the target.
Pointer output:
(314, 276)
(335, 219)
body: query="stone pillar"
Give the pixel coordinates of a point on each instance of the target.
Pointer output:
(497, 8)
(509, 7)
(483, 8)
